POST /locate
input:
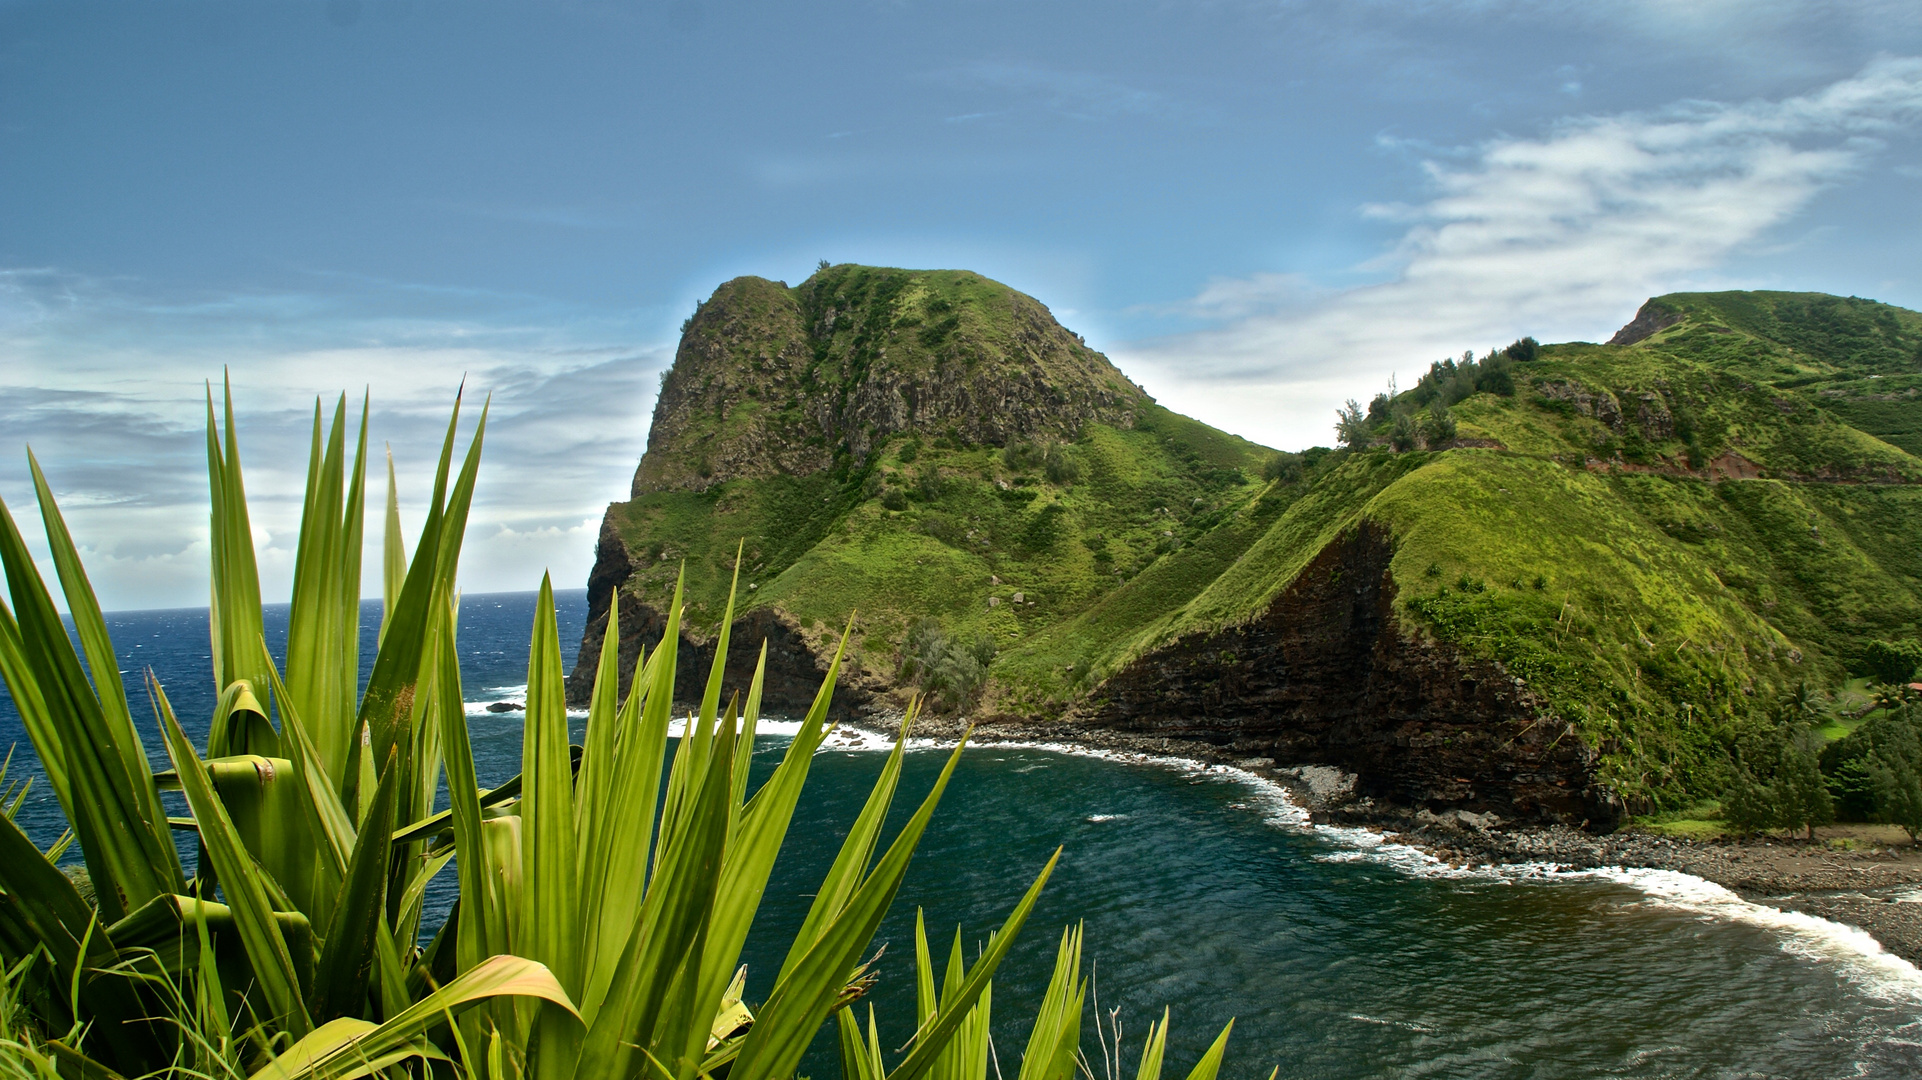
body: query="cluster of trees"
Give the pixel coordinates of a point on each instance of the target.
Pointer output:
(1785, 778)
(1778, 782)
(1892, 662)
(1875, 772)
(949, 670)
(1420, 417)
(1290, 467)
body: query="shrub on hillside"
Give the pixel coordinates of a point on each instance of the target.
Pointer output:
(1283, 466)
(1892, 661)
(948, 670)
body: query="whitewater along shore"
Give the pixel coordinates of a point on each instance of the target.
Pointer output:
(1874, 887)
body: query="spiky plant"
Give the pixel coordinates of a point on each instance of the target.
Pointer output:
(590, 939)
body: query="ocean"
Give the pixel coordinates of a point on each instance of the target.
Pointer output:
(1204, 889)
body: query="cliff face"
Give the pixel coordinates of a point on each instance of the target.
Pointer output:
(775, 381)
(1327, 675)
(795, 669)
(1625, 555)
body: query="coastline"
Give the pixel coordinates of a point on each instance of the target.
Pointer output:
(1876, 889)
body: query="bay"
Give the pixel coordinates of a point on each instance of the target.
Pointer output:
(1202, 889)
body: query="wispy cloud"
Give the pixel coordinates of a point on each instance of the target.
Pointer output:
(1079, 94)
(1559, 236)
(107, 385)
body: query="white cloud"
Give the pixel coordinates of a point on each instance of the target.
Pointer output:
(109, 390)
(1560, 236)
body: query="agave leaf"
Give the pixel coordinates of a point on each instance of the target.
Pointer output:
(233, 616)
(240, 724)
(549, 868)
(323, 650)
(762, 828)
(857, 850)
(930, 1041)
(340, 984)
(673, 916)
(802, 1000)
(860, 1058)
(711, 697)
(1210, 1062)
(346, 1049)
(31, 706)
(1056, 1038)
(1153, 1050)
(130, 856)
(640, 749)
(595, 780)
(393, 563)
(327, 820)
(91, 628)
(479, 934)
(387, 706)
(269, 805)
(241, 880)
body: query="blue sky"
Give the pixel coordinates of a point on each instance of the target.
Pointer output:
(1256, 209)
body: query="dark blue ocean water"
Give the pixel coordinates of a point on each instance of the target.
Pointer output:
(1339, 956)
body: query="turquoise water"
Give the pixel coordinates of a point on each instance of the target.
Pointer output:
(1202, 889)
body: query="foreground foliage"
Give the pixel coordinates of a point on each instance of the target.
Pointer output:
(577, 947)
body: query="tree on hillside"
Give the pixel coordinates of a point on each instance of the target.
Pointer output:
(1440, 426)
(1893, 662)
(1778, 783)
(950, 671)
(1895, 774)
(1351, 428)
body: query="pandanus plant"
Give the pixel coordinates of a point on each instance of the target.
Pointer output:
(605, 893)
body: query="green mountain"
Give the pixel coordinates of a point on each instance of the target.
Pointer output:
(1548, 582)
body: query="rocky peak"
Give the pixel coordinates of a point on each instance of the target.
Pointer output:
(771, 380)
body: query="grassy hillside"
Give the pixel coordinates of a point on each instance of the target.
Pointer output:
(1661, 538)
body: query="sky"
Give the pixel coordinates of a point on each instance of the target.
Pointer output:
(1256, 209)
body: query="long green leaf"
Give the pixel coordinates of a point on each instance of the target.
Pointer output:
(640, 750)
(130, 858)
(240, 879)
(233, 617)
(850, 865)
(346, 1049)
(673, 917)
(1153, 1050)
(549, 868)
(386, 708)
(104, 665)
(802, 1000)
(931, 1041)
(1055, 1041)
(1210, 1062)
(393, 563)
(323, 640)
(340, 983)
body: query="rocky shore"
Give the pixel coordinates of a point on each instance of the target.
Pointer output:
(1874, 886)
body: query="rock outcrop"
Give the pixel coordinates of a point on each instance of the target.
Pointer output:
(1328, 676)
(1651, 319)
(771, 381)
(794, 670)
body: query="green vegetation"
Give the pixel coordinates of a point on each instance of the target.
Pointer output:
(605, 893)
(1663, 539)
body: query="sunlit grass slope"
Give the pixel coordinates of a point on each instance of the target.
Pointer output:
(1660, 537)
